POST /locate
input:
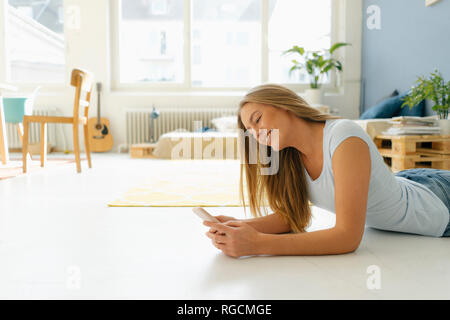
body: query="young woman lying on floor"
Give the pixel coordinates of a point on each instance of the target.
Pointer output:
(333, 163)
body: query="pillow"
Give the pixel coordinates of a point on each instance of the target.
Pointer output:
(385, 109)
(393, 94)
(417, 111)
(225, 124)
(391, 107)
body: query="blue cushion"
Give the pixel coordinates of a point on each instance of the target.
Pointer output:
(417, 111)
(391, 107)
(393, 94)
(385, 109)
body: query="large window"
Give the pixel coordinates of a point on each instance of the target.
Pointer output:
(151, 41)
(35, 41)
(304, 23)
(216, 43)
(226, 43)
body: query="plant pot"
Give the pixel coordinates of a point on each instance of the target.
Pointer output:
(444, 125)
(314, 96)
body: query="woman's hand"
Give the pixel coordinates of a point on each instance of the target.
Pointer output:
(222, 219)
(225, 218)
(234, 238)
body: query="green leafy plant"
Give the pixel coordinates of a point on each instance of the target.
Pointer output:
(433, 88)
(316, 63)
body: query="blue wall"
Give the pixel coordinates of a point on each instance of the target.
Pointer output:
(413, 40)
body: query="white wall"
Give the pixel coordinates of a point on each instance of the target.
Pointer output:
(89, 48)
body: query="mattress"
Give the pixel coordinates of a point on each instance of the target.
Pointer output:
(178, 145)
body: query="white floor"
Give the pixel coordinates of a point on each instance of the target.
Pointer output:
(58, 239)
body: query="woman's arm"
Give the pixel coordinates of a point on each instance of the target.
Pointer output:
(322, 242)
(272, 223)
(351, 167)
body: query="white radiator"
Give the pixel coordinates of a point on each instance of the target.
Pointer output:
(34, 133)
(170, 119)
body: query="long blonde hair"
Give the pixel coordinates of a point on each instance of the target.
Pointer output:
(286, 191)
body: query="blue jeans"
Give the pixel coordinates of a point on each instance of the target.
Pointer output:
(436, 180)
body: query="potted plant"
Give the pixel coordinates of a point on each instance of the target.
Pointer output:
(316, 64)
(436, 89)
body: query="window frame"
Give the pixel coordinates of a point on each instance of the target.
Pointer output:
(187, 86)
(5, 76)
(3, 28)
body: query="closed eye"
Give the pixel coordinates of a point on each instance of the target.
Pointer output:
(258, 119)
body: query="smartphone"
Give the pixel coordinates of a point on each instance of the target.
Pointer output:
(202, 213)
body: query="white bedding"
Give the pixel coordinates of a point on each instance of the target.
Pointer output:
(202, 145)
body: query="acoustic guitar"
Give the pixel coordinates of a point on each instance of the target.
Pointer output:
(100, 139)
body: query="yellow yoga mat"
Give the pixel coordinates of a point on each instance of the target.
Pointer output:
(187, 183)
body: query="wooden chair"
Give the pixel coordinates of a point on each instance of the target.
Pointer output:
(83, 81)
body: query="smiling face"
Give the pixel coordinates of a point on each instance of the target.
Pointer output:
(263, 119)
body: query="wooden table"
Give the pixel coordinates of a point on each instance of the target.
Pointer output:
(3, 140)
(414, 151)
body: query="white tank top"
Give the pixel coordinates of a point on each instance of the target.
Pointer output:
(394, 203)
